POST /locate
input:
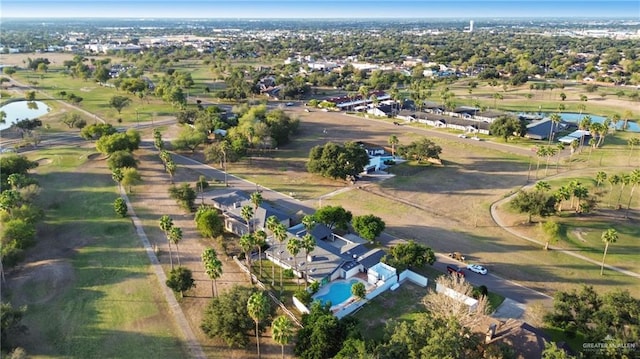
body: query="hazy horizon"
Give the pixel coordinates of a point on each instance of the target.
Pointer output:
(307, 9)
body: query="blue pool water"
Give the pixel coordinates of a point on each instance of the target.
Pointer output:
(338, 292)
(577, 117)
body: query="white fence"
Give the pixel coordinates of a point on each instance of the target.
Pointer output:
(414, 277)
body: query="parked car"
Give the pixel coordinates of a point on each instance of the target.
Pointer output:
(476, 138)
(289, 104)
(455, 270)
(457, 256)
(462, 135)
(476, 268)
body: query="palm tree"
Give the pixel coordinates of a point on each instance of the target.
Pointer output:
(540, 152)
(601, 176)
(613, 180)
(308, 243)
(550, 152)
(280, 234)
(580, 192)
(309, 223)
(559, 148)
(282, 331)
(258, 308)
(256, 199)
(247, 214)
(627, 116)
(584, 125)
(625, 179)
(562, 194)
(294, 246)
(212, 267)
(246, 244)
(260, 239)
(175, 236)
(555, 120)
(166, 223)
(609, 236)
(634, 179)
(574, 146)
(615, 118)
(393, 141)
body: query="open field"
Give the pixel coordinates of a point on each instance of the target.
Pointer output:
(87, 283)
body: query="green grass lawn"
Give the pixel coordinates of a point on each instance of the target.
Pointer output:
(111, 305)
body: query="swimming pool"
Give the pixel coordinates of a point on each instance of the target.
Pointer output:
(336, 292)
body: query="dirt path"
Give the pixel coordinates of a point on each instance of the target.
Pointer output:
(192, 343)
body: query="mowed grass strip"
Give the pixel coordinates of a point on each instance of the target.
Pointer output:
(111, 306)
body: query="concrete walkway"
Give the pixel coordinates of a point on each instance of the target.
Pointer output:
(500, 223)
(192, 344)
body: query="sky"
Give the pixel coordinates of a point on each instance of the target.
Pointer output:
(628, 9)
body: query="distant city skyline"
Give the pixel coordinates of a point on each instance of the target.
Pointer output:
(628, 9)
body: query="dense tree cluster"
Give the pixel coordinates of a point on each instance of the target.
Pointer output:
(227, 317)
(18, 214)
(335, 161)
(613, 317)
(420, 150)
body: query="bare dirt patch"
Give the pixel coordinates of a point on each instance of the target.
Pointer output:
(44, 280)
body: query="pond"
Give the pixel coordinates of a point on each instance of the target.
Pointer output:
(20, 110)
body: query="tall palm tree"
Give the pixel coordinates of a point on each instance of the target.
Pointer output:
(559, 148)
(256, 199)
(294, 246)
(260, 239)
(258, 308)
(393, 141)
(540, 152)
(615, 119)
(550, 152)
(280, 234)
(165, 225)
(247, 214)
(627, 116)
(212, 267)
(613, 180)
(175, 236)
(574, 146)
(625, 179)
(562, 194)
(634, 179)
(246, 245)
(308, 243)
(555, 120)
(584, 125)
(609, 236)
(282, 331)
(580, 192)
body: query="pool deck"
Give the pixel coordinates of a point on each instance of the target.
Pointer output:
(362, 277)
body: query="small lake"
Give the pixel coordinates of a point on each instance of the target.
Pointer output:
(20, 110)
(577, 117)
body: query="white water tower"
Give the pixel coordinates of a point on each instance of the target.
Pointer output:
(470, 25)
